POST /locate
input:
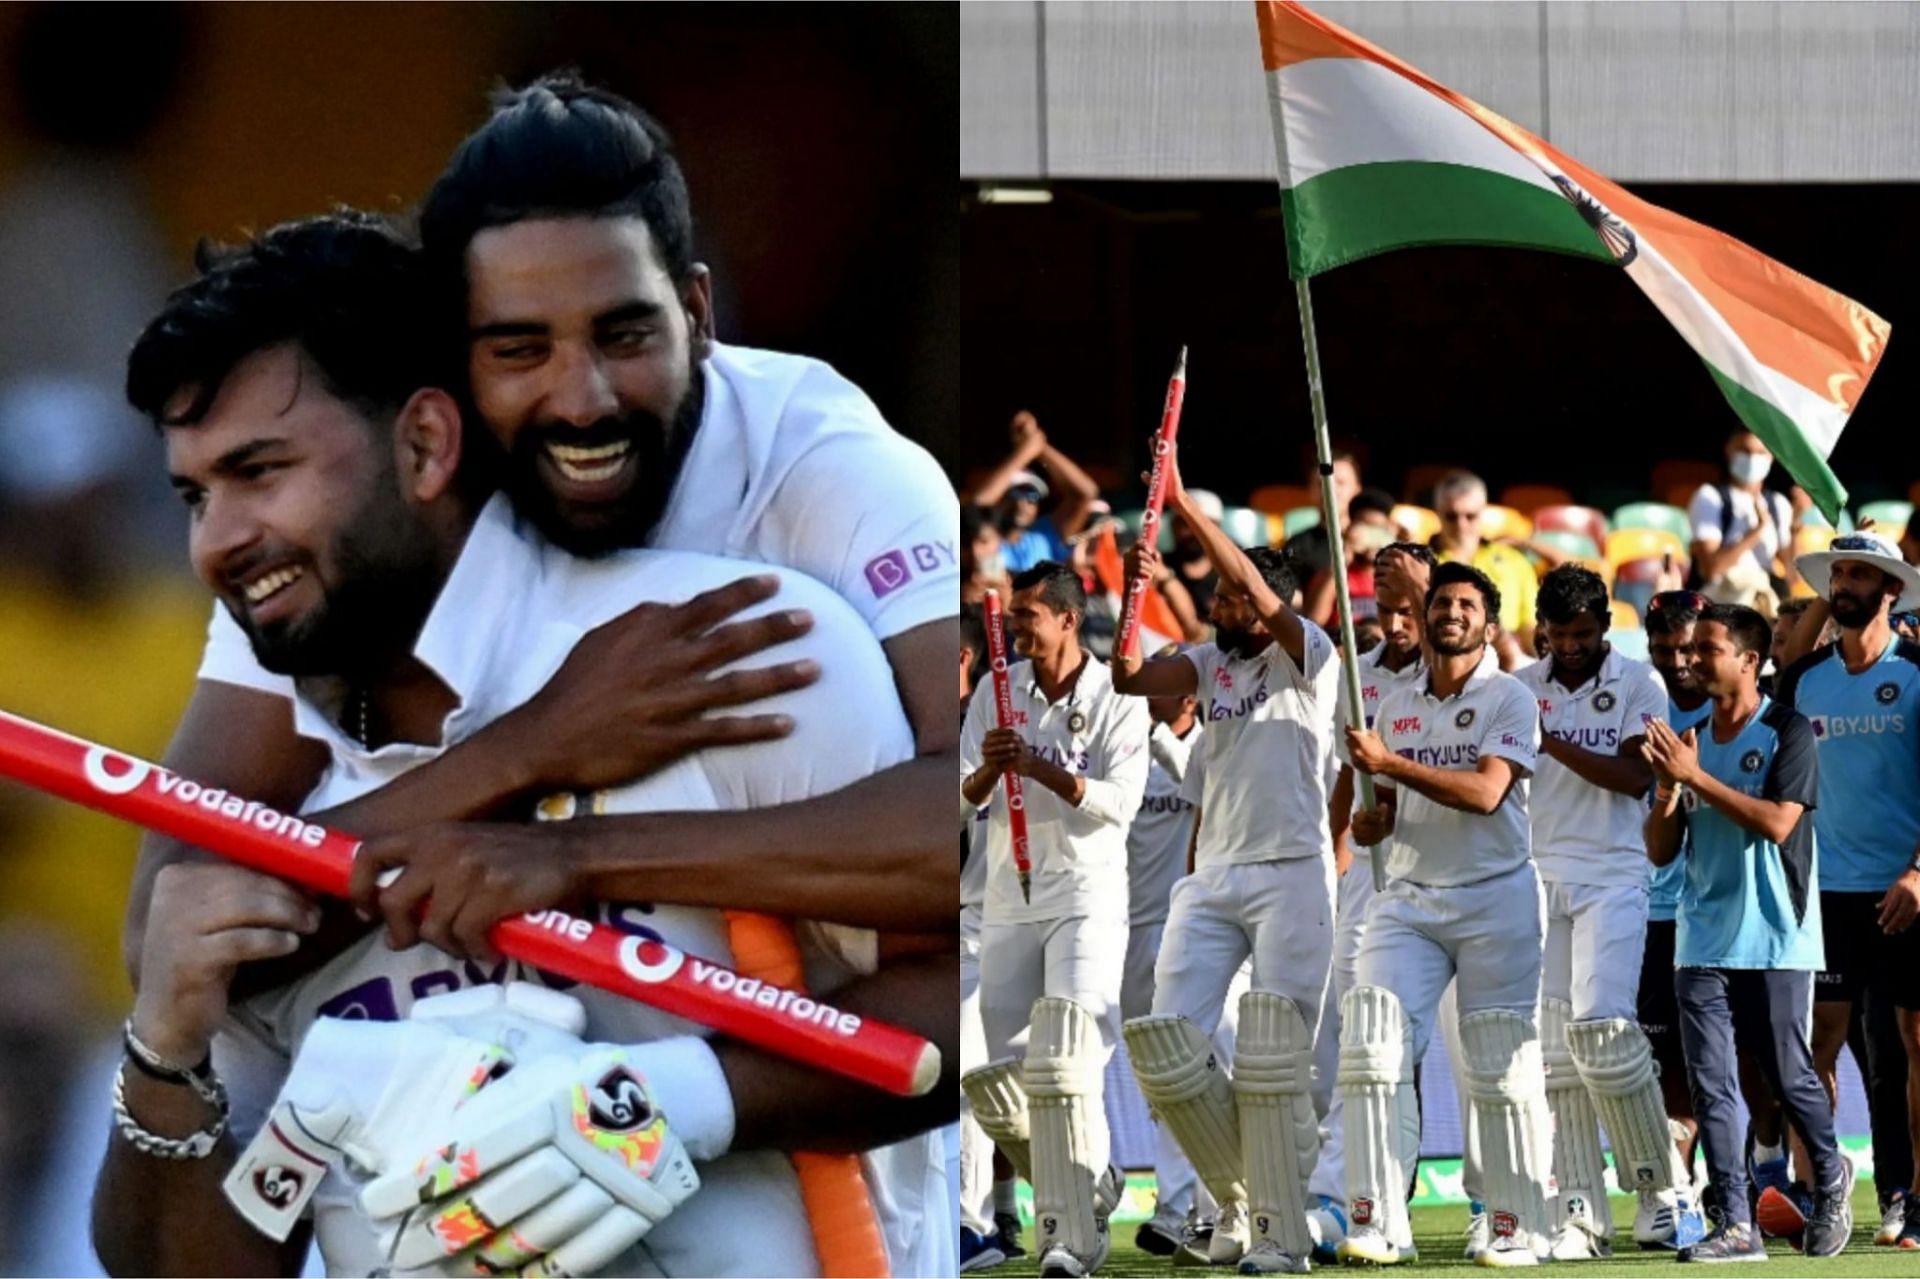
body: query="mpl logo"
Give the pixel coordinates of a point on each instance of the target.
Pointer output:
(1223, 677)
(1546, 706)
(1407, 724)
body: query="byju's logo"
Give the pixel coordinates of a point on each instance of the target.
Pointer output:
(888, 573)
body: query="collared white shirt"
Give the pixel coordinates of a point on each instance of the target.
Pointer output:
(1376, 681)
(1162, 829)
(1494, 714)
(1079, 854)
(1268, 736)
(509, 614)
(1582, 833)
(791, 465)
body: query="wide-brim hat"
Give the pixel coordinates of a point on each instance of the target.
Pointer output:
(1869, 548)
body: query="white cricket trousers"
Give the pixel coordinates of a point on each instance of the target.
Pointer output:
(1490, 933)
(976, 1151)
(1355, 895)
(1596, 942)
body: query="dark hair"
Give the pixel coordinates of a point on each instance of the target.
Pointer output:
(561, 148)
(973, 636)
(972, 520)
(1370, 500)
(1665, 621)
(1060, 587)
(1794, 607)
(1453, 571)
(346, 287)
(1745, 627)
(1412, 550)
(1277, 568)
(1570, 590)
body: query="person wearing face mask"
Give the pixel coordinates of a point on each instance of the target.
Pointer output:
(1741, 531)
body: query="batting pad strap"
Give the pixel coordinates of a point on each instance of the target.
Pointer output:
(998, 1093)
(1616, 1061)
(1272, 1077)
(1186, 1085)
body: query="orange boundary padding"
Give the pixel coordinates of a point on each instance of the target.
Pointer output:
(846, 1231)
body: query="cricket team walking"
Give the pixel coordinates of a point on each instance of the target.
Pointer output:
(1619, 869)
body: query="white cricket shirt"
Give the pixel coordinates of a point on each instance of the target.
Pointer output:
(509, 614)
(1079, 855)
(791, 465)
(1493, 714)
(1582, 833)
(1157, 841)
(1268, 736)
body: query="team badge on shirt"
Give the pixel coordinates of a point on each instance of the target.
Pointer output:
(1603, 702)
(1077, 723)
(1750, 762)
(1464, 718)
(1886, 693)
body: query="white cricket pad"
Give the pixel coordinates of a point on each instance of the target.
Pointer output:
(1273, 1082)
(998, 1092)
(1506, 1083)
(1616, 1061)
(1186, 1084)
(1063, 1085)
(1376, 1090)
(1579, 1172)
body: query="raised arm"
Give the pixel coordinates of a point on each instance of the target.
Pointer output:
(1235, 569)
(1077, 490)
(1028, 442)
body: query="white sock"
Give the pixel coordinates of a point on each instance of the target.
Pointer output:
(1763, 1153)
(1004, 1198)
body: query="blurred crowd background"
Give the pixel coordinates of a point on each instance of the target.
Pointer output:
(819, 147)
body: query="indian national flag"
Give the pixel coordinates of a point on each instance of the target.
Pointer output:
(1376, 156)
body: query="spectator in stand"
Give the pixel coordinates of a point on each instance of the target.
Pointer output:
(982, 566)
(1368, 528)
(1460, 500)
(1309, 545)
(1742, 533)
(1015, 492)
(1188, 560)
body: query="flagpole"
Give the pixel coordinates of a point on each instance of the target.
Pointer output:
(1337, 558)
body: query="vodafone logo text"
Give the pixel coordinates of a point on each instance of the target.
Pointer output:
(120, 775)
(654, 962)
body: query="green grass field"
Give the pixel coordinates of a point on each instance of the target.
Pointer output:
(1439, 1233)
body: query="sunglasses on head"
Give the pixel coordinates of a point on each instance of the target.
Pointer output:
(1693, 601)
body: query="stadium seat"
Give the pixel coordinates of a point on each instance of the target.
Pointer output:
(1418, 523)
(1499, 522)
(1672, 519)
(1600, 566)
(1276, 529)
(1625, 616)
(1529, 498)
(1573, 519)
(1813, 537)
(1278, 499)
(1888, 517)
(1625, 544)
(1421, 478)
(1579, 545)
(1300, 517)
(1675, 479)
(1246, 526)
(1637, 581)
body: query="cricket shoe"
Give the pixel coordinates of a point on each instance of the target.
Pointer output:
(1507, 1252)
(1668, 1219)
(978, 1252)
(1783, 1214)
(1578, 1239)
(1328, 1226)
(1479, 1231)
(1831, 1223)
(1893, 1220)
(1159, 1235)
(1266, 1257)
(1006, 1233)
(1058, 1262)
(1728, 1243)
(1369, 1246)
(1910, 1233)
(1196, 1239)
(1232, 1233)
